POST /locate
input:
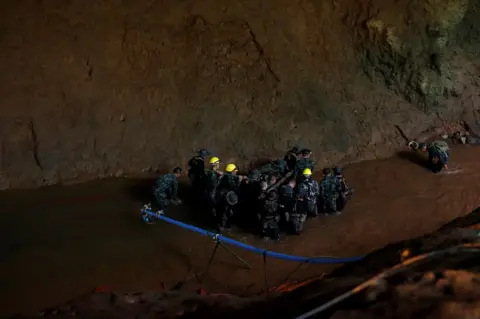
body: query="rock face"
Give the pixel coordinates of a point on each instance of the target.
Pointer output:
(90, 90)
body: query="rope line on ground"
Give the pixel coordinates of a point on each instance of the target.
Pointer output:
(267, 253)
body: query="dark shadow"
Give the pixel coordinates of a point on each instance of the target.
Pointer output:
(414, 158)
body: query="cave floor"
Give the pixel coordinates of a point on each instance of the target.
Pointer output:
(59, 242)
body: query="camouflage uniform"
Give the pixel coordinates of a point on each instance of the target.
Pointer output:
(345, 191)
(307, 192)
(212, 179)
(302, 164)
(270, 217)
(277, 168)
(329, 193)
(166, 189)
(288, 202)
(441, 150)
(228, 186)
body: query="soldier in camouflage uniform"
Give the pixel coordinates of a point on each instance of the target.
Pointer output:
(307, 194)
(288, 202)
(166, 189)
(304, 162)
(329, 192)
(227, 196)
(212, 178)
(438, 154)
(196, 171)
(270, 216)
(291, 158)
(345, 191)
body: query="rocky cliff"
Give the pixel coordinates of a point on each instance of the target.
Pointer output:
(96, 89)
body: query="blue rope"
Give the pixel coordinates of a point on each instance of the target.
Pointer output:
(313, 260)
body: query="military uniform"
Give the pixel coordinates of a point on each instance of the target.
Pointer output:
(270, 217)
(329, 193)
(345, 192)
(226, 198)
(293, 218)
(438, 149)
(166, 189)
(307, 192)
(212, 179)
(277, 168)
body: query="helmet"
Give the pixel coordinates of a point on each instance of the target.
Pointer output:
(231, 198)
(230, 168)
(214, 160)
(326, 171)
(337, 171)
(307, 172)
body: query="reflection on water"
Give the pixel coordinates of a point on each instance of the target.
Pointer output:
(59, 242)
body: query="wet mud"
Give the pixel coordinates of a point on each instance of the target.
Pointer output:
(59, 242)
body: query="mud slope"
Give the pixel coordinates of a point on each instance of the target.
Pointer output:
(90, 90)
(444, 287)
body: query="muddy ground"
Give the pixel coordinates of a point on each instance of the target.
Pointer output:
(60, 242)
(122, 87)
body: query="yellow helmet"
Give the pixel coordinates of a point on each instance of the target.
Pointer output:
(307, 172)
(214, 160)
(230, 168)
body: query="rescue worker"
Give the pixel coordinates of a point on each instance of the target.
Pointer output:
(166, 189)
(291, 158)
(227, 196)
(270, 216)
(438, 154)
(212, 178)
(345, 190)
(304, 162)
(196, 170)
(307, 194)
(294, 219)
(329, 192)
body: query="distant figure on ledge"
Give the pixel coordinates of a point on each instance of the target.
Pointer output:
(438, 154)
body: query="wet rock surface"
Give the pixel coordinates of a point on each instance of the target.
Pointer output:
(445, 286)
(92, 90)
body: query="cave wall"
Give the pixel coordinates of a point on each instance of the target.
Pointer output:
(93, 89)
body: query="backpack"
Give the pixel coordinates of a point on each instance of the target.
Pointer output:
(441, 146)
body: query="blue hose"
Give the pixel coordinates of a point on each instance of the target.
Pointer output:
(313, 260)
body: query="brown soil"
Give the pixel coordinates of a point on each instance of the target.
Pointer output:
(124, 86)
(60, 242)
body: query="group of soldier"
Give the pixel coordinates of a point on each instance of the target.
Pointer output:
(279, 194)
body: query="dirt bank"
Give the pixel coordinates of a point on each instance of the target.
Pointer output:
(440, 286)
(89, 235)
(122, 86)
